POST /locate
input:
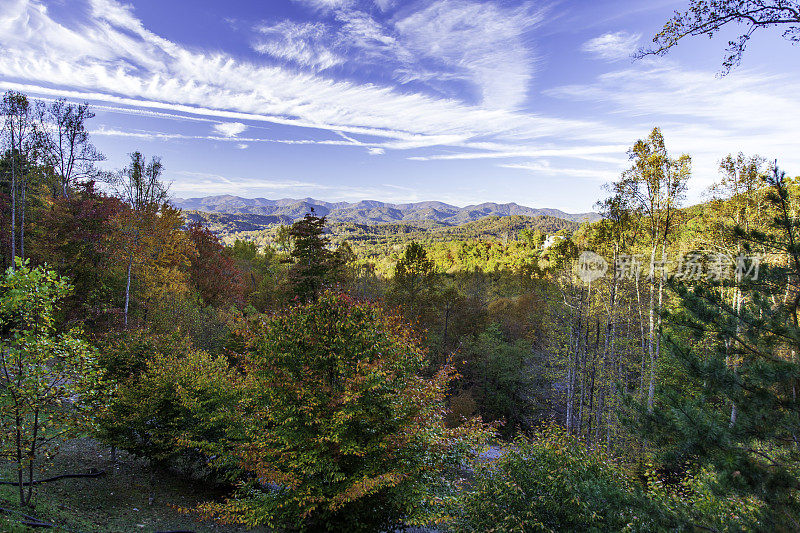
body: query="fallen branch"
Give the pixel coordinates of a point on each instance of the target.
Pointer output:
(28, 520)
(51, 479)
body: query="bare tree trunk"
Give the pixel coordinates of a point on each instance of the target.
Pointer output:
(22, 218)
(643, 339)
(13, 200)
(128, 289)
(654, 344)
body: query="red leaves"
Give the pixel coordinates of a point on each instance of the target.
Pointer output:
(213, 270)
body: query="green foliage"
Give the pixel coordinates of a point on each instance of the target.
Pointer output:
(741, 360)
(49, 382)
(334, 423)
(502, 378)
(552, 483)
(166, 394)
(414, 283)
(314, 266)
(263, 274)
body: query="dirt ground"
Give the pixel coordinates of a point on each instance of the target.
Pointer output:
(118, 502)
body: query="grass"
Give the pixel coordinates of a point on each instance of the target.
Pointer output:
(119, 501)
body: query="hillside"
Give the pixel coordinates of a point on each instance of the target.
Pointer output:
(261, 228)
(368, 211)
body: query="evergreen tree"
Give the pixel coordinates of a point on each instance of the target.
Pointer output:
(737, 410)
(414, 280)
(313, 262)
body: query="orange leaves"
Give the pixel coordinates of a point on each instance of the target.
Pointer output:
(365, 487)
(350, 427)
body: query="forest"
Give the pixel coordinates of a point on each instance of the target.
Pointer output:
(635, 373)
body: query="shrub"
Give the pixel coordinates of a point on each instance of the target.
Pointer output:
(165, 396)
(335, 426)
(552, 483)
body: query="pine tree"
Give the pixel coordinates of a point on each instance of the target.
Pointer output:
(415, 281)
(313, 262)
(737, 410)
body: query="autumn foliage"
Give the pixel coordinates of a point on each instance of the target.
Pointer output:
(335, 426)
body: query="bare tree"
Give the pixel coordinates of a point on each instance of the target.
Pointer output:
(67, 149)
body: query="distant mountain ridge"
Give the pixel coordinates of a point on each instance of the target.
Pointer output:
(369, 211)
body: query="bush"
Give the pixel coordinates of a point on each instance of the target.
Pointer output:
(165, 396)
(334, 424)
(552, 483)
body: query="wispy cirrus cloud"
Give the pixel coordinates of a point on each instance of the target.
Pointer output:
(614, 46)
(306, 44)
(701, 115)
(483, 42)
(326, 4)
(112, 58)
(477, 44)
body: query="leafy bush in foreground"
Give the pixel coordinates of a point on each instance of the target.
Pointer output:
(335, 425)
(552, 483)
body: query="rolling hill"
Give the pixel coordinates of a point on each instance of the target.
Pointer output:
(367, 212)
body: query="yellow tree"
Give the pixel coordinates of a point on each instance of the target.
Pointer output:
(139, 186)
(654, 188)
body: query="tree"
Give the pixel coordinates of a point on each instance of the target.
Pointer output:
(283, 238)
(48, 380)
(20, 135)
(501, 377)
(755, 452)
(67, 149)
(709, 17)
(214, 273)
(166, 253)
(155, 377)
(335, 425)
(79, 237)
(654, 188)
(139, 185)
(263, 274)
(414, 280)
(553, 483)
(313, 264)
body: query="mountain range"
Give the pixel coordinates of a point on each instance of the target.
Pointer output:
(288, 210)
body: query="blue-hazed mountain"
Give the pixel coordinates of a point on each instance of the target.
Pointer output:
(369, 211)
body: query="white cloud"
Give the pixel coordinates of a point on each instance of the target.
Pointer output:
(544, 167)
(702, 115)
(324, 5)
(230, 129)
(613, 46)
(480, 41)
(126, 64)
(376, 151)
(477, 44)
(385, 5)
(193, 184)
(306, 44)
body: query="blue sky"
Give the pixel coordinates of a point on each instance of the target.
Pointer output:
(455, 100)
